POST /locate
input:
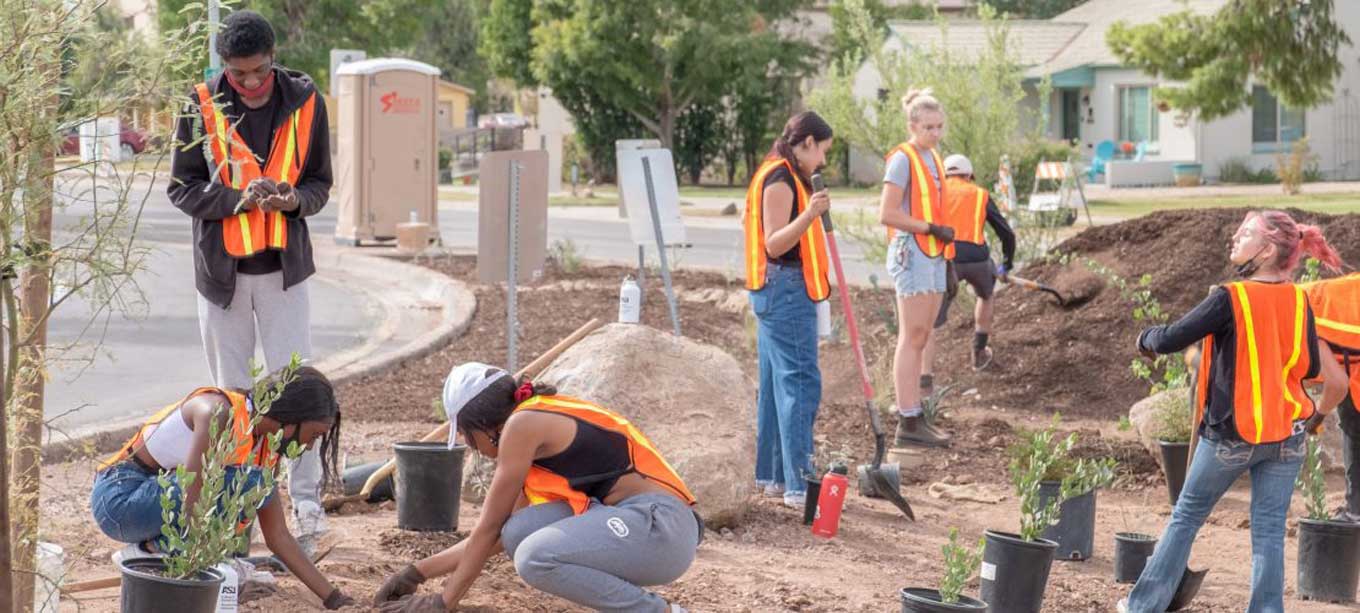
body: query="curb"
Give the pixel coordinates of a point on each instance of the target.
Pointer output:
(436, 291)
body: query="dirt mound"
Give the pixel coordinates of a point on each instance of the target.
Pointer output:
(1076, 360)
(691, 399)
(405, 544)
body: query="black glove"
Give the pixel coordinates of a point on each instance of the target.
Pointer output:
(944, 234)
(1314, 423)
(336, 600)
(424, 603)
(405, 582)
(1144, 351)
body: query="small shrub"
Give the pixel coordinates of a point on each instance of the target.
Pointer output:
(566, 255)
(1031, 153)
(1292, 167)
(1165, 371)
(863, 229)
(445, 157)
(1237, 170)
(1039, 456)
(1313, 483)
(1125, 424)
(1171, 417)
(960, 564)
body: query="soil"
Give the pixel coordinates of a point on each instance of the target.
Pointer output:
(771, 562)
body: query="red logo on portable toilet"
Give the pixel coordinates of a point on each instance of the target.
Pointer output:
(392, 103)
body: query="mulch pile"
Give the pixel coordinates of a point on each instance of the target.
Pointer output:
(1076, 360)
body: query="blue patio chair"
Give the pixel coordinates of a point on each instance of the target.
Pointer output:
(1104, 153)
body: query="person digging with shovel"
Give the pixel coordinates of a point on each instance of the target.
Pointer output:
(967, 208)
(581, 501)
(1251, 411)
(1336, 307)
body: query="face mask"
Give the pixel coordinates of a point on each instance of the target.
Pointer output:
(263, 90)
(1248, 268)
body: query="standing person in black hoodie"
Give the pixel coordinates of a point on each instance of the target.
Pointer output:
(251, 163)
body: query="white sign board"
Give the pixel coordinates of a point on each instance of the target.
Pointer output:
(340, 57)
(633, 190)
(101, 140)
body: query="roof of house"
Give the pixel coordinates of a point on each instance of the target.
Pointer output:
(1088, 47)
(1036, 41)
(462, 88)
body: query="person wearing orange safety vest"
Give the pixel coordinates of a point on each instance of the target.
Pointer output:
(969, 209)
(251, 162)
(1336, 309)
(1260, 342)
(912, 207)
(126, 498)
(581, 501)
(787, 274)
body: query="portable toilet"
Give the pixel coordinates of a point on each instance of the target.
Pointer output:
(386, 163)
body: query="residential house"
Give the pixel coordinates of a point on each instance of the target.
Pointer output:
(1095, 98)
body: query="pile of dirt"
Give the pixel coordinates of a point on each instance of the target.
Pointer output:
(1076, 360)
(409, 545)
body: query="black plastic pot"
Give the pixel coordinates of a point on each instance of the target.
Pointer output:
(1131, 553)
(1015, 572)
(1075, 532)
(921, 600)
(1191, 580)
(1174, 458)
(144, 590)
(1329, 560)
(814, 489)
(429, 481)
(355, 477)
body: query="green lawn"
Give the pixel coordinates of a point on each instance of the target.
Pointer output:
(1323, 203)
(738, 192)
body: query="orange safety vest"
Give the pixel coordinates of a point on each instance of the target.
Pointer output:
(811, 246)
(927, 197)
(965, 210)
(1336, 313)
(244, 453)
(248, 233)
(1272, 359)
(543, 485)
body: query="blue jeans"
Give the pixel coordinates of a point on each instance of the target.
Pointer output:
(126, 501)
(1216, 466)
(790, 380)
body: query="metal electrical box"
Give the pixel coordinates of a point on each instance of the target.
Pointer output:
(386, 170)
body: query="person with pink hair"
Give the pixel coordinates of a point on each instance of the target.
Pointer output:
(1259, 345)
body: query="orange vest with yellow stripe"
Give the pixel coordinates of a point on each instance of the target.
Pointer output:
(811, 246)
(927, 197)
(543, 485)
(244, 452)
(1272, 359)
(1336, 313)
(248, 233)
(965, 210)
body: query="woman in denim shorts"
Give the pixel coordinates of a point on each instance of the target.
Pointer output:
(911, 207)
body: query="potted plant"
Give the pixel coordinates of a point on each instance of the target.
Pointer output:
(960, 564)
(1075, 530)
(1187, 174)
(185, 580)
(1015, 566)
(1172, 429)
(1329, 550)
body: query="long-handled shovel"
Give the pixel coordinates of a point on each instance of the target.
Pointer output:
(882, 484)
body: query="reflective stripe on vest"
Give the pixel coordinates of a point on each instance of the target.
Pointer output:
(811, 245)
(965, 210)
(542, 485)
(926, 204)
(245, 452)
(248, 233)
(1271, 360)
(1336, 312)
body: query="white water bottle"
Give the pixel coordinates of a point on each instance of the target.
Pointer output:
(630, 301)
(228, 593)
(824, 319)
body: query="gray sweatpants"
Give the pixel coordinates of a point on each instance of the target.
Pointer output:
(600, 558)
(284, 322)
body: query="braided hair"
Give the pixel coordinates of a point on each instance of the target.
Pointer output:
(490, 409)
(309, 396)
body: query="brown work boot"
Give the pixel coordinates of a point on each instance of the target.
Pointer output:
(917, 432)
(982, 358)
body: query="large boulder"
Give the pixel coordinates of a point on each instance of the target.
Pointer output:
(692, 400)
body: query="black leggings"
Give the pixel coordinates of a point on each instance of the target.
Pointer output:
(980, 275)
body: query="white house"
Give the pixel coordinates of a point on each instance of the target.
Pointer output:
(1095, 99)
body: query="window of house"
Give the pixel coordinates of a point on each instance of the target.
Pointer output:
(1137, 116)
(1273, 125)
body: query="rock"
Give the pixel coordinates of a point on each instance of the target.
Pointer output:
(1144, 418)
(690, 399)
(730, 209)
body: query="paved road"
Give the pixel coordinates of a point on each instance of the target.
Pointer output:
(156, 355)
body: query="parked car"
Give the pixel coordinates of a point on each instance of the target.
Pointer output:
(131, 140)
(502, 121)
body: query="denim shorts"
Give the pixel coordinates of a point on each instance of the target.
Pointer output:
(126, 500)
(914, 272)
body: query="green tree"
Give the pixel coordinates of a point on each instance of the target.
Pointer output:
(843, 38)
(1032, 9)
(696, 140)
(449, 40)
(1289, 46)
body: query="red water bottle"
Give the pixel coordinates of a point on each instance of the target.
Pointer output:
(829, 502)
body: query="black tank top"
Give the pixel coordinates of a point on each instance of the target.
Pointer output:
(782, 175)
(594, 460)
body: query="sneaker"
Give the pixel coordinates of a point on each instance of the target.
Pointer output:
(773, 490)
(133, 551)
(917, 432)
(982, 359)
(795, 500)
(1123, 606)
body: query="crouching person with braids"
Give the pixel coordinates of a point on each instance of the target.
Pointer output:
(126, 500)
(581, 501)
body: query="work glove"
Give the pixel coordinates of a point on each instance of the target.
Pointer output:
(336, 600)
(944, 234)
(1144, 351)
(284, 200)
(1001, 271)
(424, 603)
(405, 582)
(255, 194)
(1314, 423)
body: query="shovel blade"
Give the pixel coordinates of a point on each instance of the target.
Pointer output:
(885, 488)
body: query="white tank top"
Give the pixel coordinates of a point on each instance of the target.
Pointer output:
(168, 442)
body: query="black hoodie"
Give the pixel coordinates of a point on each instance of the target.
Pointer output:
(208, 202)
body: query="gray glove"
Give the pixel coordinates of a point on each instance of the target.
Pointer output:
(405, 582)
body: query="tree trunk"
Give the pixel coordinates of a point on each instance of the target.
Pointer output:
(6, 559)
